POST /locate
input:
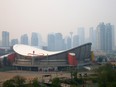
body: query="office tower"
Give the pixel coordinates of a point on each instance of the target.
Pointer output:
(34, 39)
(68, 42)
(58, 42)
(113, 37)
(24, 39)
(75, 41)
(81, 34)
(14, 41)
(101, 36)
(109, 37)
(5, 38)
(40, 42)
(51, 42)
(64, 45)
(92, 37)
(104, 37)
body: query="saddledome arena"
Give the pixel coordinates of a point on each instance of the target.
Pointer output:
(34, 59)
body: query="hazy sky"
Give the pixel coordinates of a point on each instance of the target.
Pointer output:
(44, 16)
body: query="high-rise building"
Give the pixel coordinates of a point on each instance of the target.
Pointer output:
(64, 45)
(14, 41)
(58, 42)
(34, 39)
(81, 34)
(101, 36)
(109, 37)
(55, 42)
(24, 39)
(68, 42)
(5, 38)
(40, 42)
(75, 41)
(51, 42)
(92, 37)
(113, 37)
(104, 37)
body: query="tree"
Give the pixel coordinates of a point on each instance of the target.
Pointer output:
(56, 82)
(35, 82)
(19, 81)
(9, 83)
(106, 76)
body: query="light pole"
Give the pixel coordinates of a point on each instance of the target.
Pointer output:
(33, 58)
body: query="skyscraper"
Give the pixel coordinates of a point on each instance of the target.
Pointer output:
(34, 39)
(92, 37)
(24, 39)
(14, 41)
(5, 38)
(75, 40)
(81, 34)
(109, 37)
(58, 42)
(104, 37)
(40, 42)
(101, 36)
(55, 42)
(51, 42)
(113, 37)
(68, 42)
(64, 44)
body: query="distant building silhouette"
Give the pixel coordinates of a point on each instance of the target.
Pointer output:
(64, 45)
(24, 39)
(34, 39)
(109, 36)
(68, 42)
(92, 37)
(14, 41)
(101, 36)
(105, 37)
(40, 42)
(81, 34)
(113, 37)
(5, 38)
(58, 42)
(51, 42)
(75, 41)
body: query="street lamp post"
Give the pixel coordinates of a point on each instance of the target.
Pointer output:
(33, 58)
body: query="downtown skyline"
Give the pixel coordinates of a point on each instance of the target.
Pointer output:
(102, 38)
(44, 37)
(45, 16)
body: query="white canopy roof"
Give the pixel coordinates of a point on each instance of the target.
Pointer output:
(27, 50)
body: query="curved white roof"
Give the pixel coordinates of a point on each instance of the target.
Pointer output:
(27, 50)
